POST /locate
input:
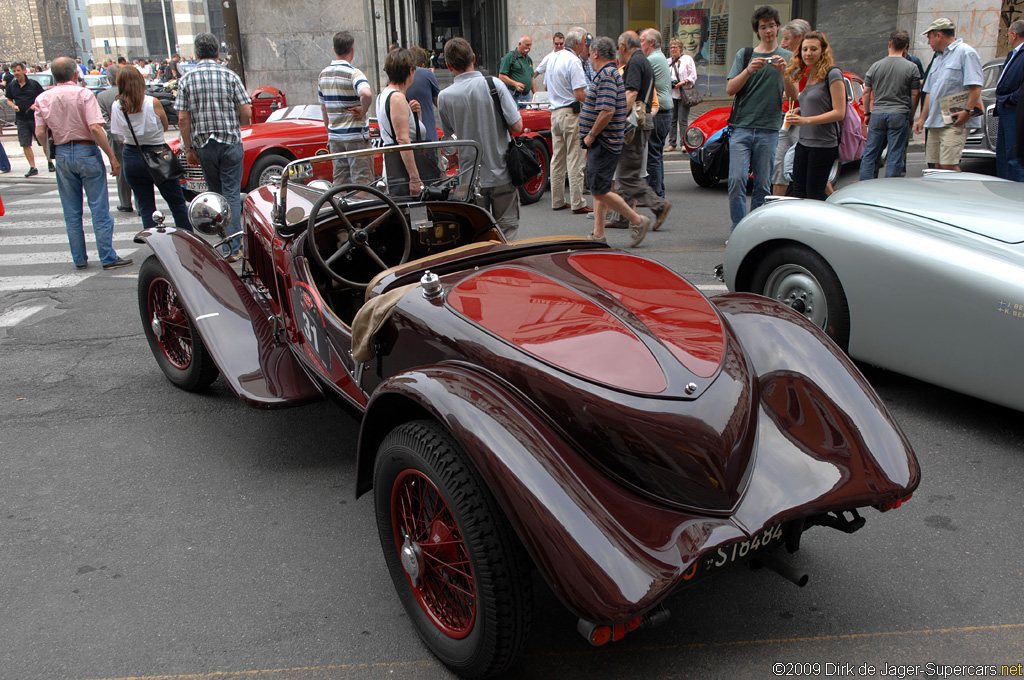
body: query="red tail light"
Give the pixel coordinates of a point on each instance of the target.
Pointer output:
(892, 505)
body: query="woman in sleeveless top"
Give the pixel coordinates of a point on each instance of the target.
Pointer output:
(822, 106)
(149, 122)
(399, 123)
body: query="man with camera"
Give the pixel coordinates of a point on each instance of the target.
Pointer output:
(567, 88)
(757, 80)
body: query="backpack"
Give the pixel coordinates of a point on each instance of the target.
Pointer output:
(851, 139)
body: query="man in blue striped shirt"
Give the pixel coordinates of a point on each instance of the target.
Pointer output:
(602, 124)
(345, 97)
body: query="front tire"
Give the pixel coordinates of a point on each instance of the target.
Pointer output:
(536, 186)
(801, 279)
(264, 169)
(702, 178)
(176, 346)
(457, 565)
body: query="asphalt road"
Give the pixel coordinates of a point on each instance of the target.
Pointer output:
(149, 533)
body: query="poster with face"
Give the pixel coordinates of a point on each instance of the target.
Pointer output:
(692, 27)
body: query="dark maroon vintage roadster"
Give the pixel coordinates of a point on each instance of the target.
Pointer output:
(549, 403)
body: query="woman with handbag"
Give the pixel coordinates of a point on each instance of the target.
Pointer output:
(147, 160)
(399, 122)
(683, 72)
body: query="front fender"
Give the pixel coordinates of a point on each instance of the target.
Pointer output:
(236, 329)
(608, 554)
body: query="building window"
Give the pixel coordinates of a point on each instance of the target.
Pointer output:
(80, 29)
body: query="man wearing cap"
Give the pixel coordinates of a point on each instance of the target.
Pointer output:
(955, 68)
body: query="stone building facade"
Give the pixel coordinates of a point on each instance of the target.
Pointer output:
(35, 31)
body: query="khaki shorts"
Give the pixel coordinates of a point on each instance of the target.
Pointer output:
(945, 145)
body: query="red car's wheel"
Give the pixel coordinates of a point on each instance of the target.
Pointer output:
(177, 347)
(459, 569)
(536, 186)
(434, 554)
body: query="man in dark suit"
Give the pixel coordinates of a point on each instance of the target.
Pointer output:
(1007, 96)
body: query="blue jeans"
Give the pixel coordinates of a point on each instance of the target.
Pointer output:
(5, 162)
(81, 167)
(521, 100)
(222, 166)
(139, 179)
(1007, 165)
(656, 151)
(891, 130)
(750, 150)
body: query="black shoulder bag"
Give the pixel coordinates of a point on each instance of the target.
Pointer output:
(161, 163)
(520, 159)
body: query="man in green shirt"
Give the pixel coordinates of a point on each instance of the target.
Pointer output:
(516, 71)
(650, 43)
(757, 81)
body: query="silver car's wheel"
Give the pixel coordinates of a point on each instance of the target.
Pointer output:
(795, 287)
(801, 279)
(833, 173)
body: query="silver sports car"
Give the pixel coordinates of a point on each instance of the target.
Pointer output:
(920, 276)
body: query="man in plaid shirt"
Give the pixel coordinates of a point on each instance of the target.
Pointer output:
(212, 106)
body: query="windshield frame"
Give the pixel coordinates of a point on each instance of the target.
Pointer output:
(463, 184)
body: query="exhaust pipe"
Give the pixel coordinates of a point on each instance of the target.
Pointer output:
(786, 571)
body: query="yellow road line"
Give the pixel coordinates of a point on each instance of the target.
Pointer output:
(695, 645)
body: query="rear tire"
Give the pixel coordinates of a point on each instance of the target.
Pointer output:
(171, 333)
(457, 565)
(702, 178)
(801, 279)
(536, 186)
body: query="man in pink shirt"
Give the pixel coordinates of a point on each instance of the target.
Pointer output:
(72, 114)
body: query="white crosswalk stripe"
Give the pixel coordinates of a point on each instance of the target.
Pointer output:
(34, 252)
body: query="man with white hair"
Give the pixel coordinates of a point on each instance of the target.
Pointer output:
(650, 43)
(516, 71)
(567, 88)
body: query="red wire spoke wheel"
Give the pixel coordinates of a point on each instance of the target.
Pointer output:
(170, 323)
(458, 567)
(177, 347)
(434, 556)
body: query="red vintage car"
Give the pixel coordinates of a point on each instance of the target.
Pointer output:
(709, 126)
(297, 132)
(548, 404)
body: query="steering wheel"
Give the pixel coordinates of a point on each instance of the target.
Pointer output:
(358, 238)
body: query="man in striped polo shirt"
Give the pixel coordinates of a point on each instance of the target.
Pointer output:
(345, 98)
(602, 124)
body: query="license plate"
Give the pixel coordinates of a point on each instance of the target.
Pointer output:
(741, 550)
(195, 185)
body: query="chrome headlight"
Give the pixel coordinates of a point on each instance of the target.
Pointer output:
(694, 137)
(209, 213)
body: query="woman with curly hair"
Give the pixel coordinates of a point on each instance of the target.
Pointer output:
(822, 107)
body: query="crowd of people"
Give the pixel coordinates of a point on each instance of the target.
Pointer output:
(616, 108)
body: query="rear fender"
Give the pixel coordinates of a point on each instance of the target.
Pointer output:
(609, 555)
(825, 439)
(238, 332)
